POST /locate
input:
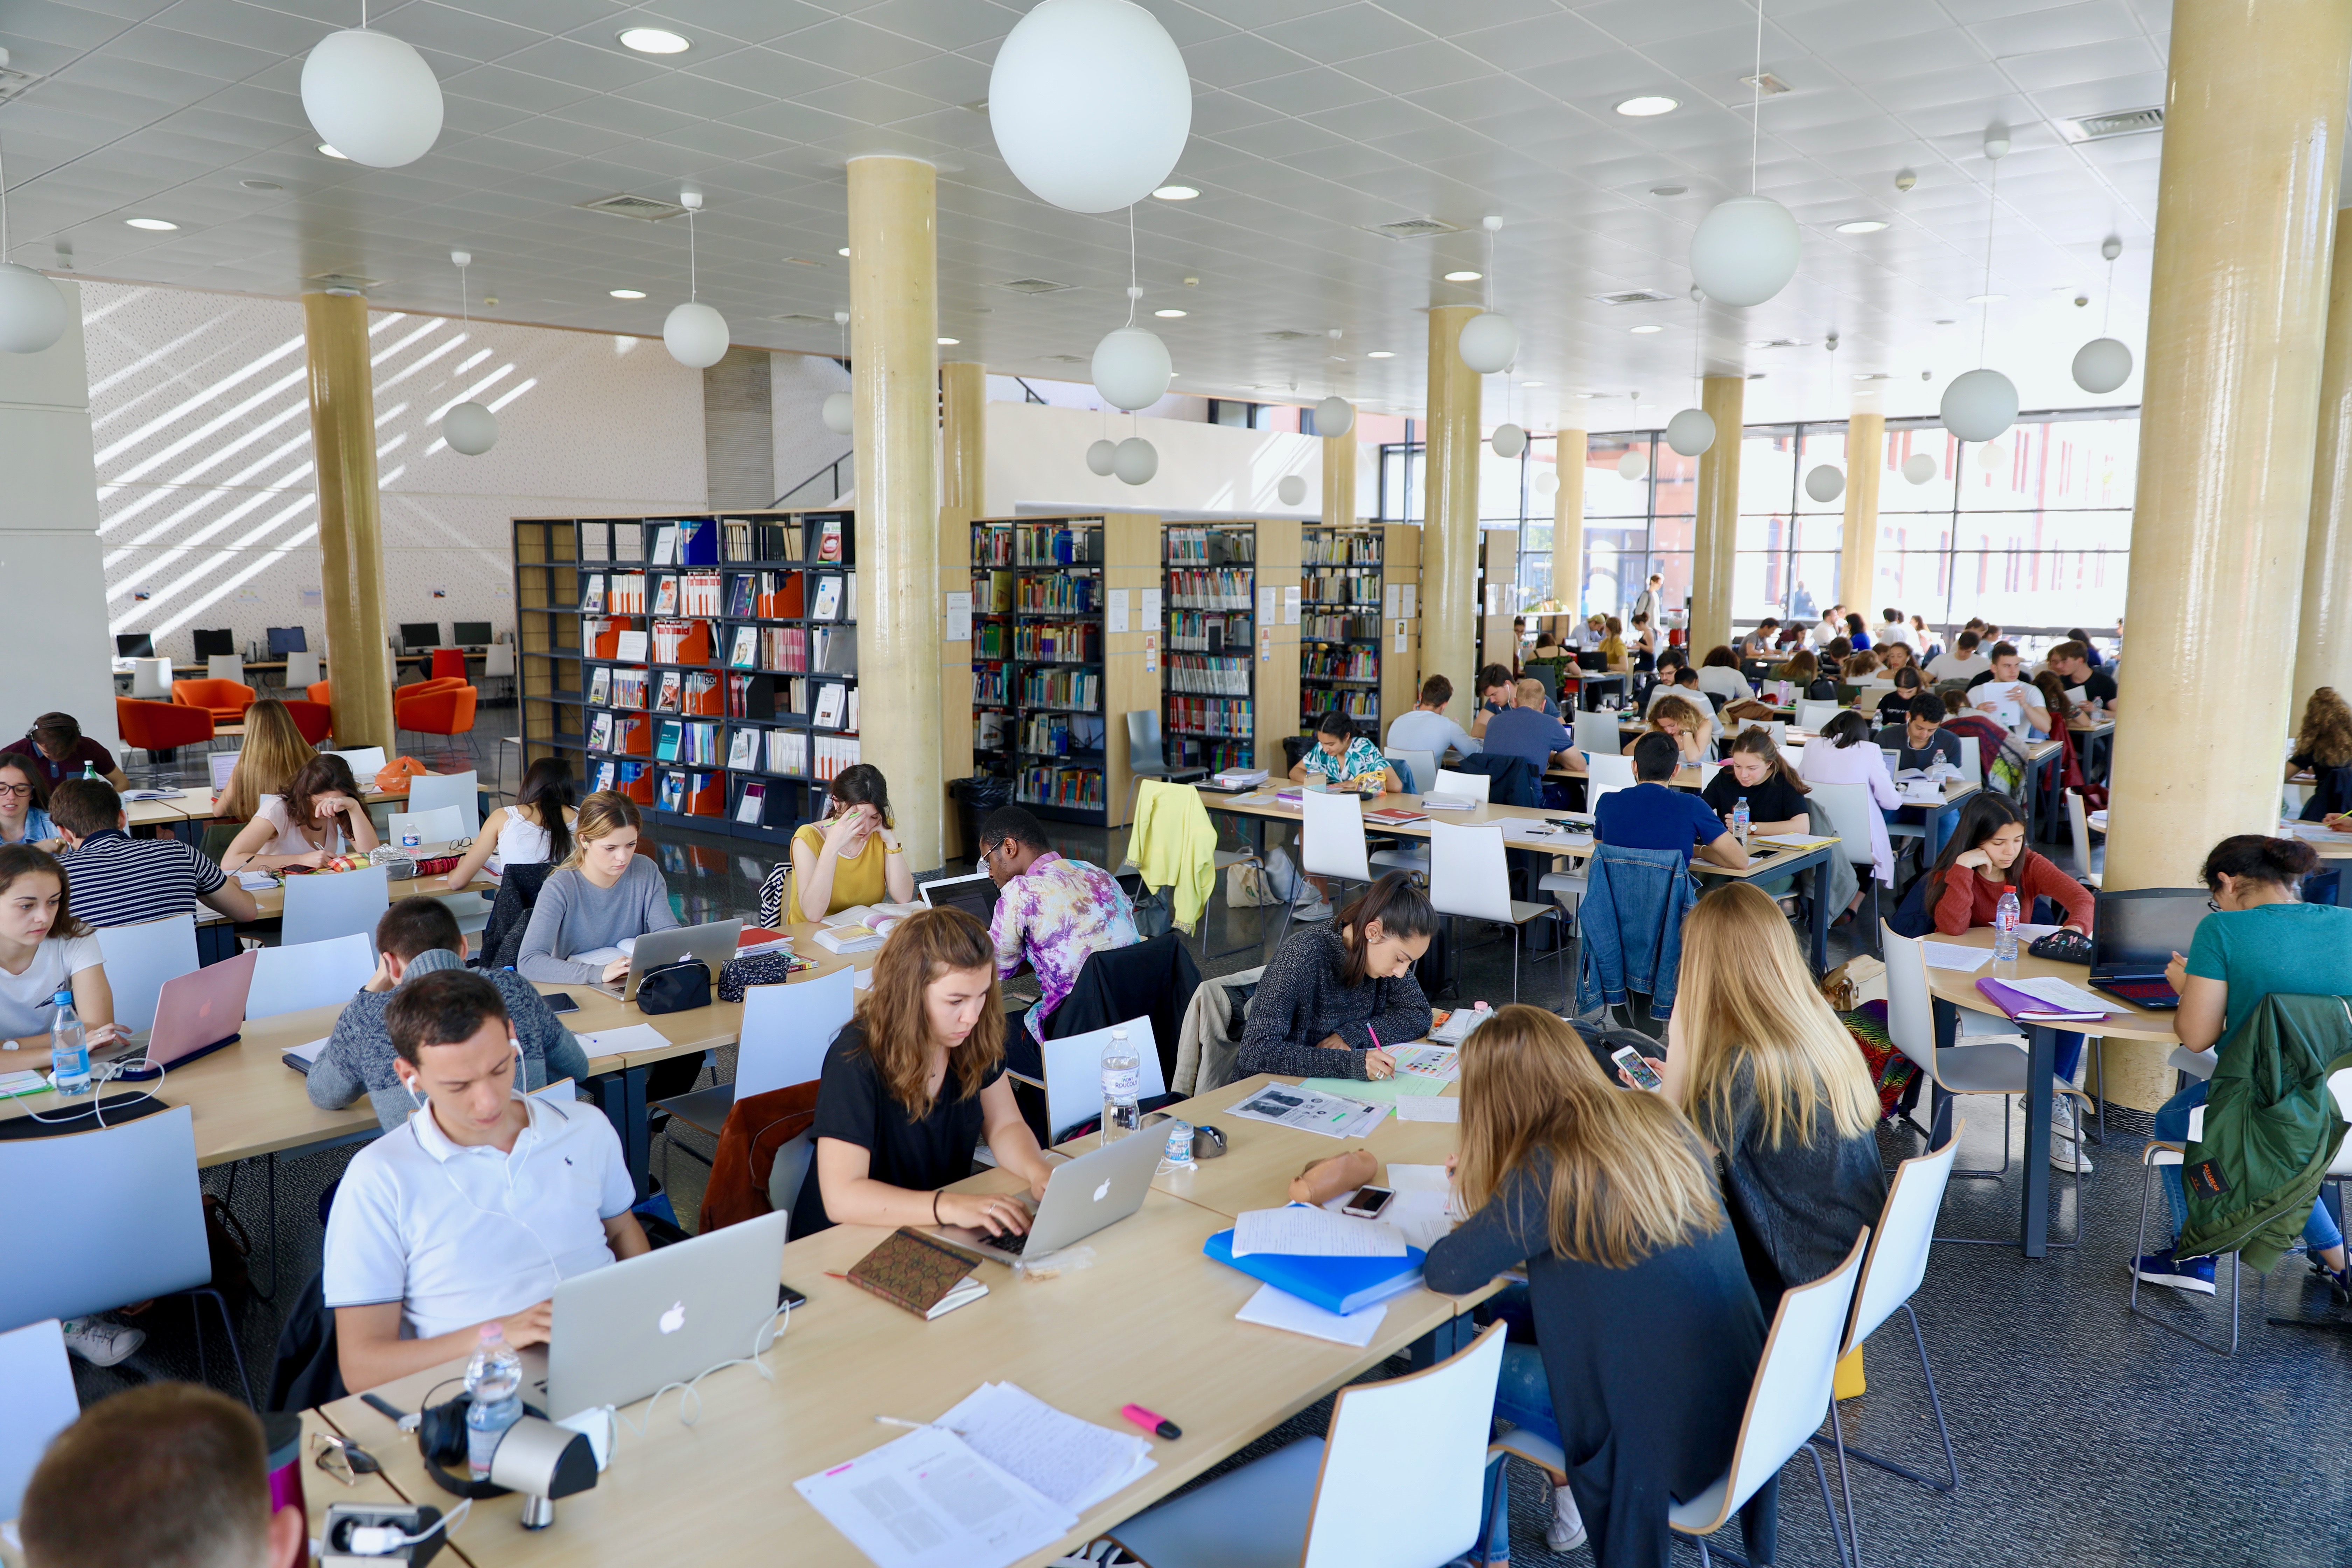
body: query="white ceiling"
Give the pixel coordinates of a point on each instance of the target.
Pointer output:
(1309, 121)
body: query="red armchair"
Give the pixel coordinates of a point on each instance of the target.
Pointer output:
(226, 701)
(315, 720)
(434, 707)
(160, 728)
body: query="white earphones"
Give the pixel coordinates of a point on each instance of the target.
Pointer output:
(410, 1084)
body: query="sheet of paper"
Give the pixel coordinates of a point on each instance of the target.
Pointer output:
(927, 1500)
(1380, 1092)
(1075, 1463)
(1299, 1231)
(1421, 1060)
(862, 980)
(959, 617)
(628, 1038)
(1280, 1309)
(632, 647)
(310, 1053)
(1391, 598)
(2029, 932)
(1118, 610)
(2061, 994)
(1149, 598)
(1266, 600)
(1792, 840)
(1952, 955)
(1308, 1110)
(1290, 606)
(1439, 1109)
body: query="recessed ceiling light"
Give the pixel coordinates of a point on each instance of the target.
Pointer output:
(628, 293)
(331, 152)
(1175, 193)
(1862, 225)
(1463, 277)
(1168, 315)
(1649, 327)
(1587, 395)
(950, 342)
(1531, 383)
(843, 251)
(261, 185)
(1380, 354)
(1649, 104)
(157, 224)
(1985, 299)
(1668, 190)
(652, 41)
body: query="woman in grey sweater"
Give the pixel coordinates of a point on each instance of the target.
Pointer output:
(1335, 998)
(604, 892)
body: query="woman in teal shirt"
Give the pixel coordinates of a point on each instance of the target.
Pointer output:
(2262, 938)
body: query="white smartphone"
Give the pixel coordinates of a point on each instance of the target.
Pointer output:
(1637, 1068)
(1367, 1203)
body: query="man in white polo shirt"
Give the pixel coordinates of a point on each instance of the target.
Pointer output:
(474, 1209)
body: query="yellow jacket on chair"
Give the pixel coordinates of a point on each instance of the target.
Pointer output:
(1173, 844)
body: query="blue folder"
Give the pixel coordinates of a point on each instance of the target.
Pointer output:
(1335, 1284)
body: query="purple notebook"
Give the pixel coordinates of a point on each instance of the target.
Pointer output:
(2026, 1008)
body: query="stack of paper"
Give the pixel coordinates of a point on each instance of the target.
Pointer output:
(1277, 1308)
(1311, 1111)
(13, 1084)
(1075, 1463)
(928, 1501)
(1423, 1210)
(630, 1038)
(1299, 1231)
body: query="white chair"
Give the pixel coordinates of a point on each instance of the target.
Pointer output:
(1342, 1500)
(301, 672)
(442, 825)
(141, 958)
(1779, 731)
(1425, 774)
(2158, 1152)
(1470, 876)
(1610, 771)
(463, 791)
(1598, 734)
(1074, 1073)
(1971, 764)
(1851, 811)
(224, 667)
(151, 680)
(349, 903)
(1707, 772)
(1331, 843)
(499, 663)
(365, 763)
(141, 1176)
(37, 1389)
(1424, 765)
(2079, 822)
(316, 975)
(1479, 787)
(1812, 714)
(786, 1029)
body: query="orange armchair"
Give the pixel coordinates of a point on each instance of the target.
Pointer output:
(434, 707)
(317, 692)
(448, 663)
(226, 701)
(316, 721)
(160, 728)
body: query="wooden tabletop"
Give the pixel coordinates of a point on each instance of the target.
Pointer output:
(2125, 1022)
(1261, 1158)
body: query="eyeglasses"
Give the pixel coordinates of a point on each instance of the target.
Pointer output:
(343, 1460)
(15, 790)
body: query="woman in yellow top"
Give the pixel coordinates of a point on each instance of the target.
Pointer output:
(848, 858)
(1612, 646)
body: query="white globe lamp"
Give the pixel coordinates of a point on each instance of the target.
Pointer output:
(1508, 440)
(838, 413)
(1991, 457)
(1746, 250)
(1979, 405)
(1131, 369)
(1335, 415)
(1134, 461)
(372, 98)
(32, 311)
(1691, 432)
(1291, 489)
(470, 429)
(1632, 465)
(1102, 457)
(696, 335)
(1825, 483)
(1919, 468)
(1488, 343)
(1547, 482)
(1090, 103)
(2102, 365)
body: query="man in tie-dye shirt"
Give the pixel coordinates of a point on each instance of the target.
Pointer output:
(1051, 911)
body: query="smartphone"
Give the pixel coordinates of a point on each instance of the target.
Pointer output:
(788, 1297)
(558, 1001)
(1367, 1203)
(1636, 1067)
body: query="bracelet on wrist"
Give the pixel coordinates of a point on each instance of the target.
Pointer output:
(935, 1207)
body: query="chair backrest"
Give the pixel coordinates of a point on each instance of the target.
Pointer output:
(349, 903)
(1547, 677)
(301, 670)
(461, 790)
(1421, 765)
(1597, 734)
(1332, 840)
(37, 1389)
(1073, 1072)
(1971, 764)
(224, 667)
(448, 662)
(1707, 772)
(1476, 787)
(1811, 714)
(1910, 1008)
(1467, 872)
(315, 974)
(1850, 808)
(151, 680)
(2078, 822)
(138, 1182)
(498, 659)
(786, 1030)
(140, 958)
(365, 762)
(1145, 749)
(439, 826)
(1609, 773)
(1898, 1249)
(1792, 1391)
(1779, 729)
(1367, 1509)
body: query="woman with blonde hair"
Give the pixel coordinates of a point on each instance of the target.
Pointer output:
(1690, 724)
(604, 893)
(2323, 747)
(891, 1128)
(274, 750)
(1647, 1332)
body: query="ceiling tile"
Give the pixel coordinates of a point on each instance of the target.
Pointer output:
(1345, 34)
(2050, 27)
(1238, 60)
(2084, 62)
(1308, 92)
(1417, 68)
(1486, 98)
(854, 47)
(694, 96)
(768, 72)
(576, 64)
(514, 90)
(713, 25)
(943, 24)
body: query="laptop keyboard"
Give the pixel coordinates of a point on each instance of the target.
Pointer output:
(1010, 1242)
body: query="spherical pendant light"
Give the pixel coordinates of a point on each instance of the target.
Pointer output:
(1291, 489)
(1509, 441)
(1102, 456)
(1979, 405)
(1634, 465)
(1919, 468)
(1989, 458)
(1825, 483)
(32, 311)
(1090, 103)
(838, 413)
(1489, 342)
(1136, 460)
(696, 335)
(1547, 482)
(372, 98)
(1131, 368)
(2102, 365)
(1746, 250)
(1335, 415)
(471, 429)
(1691, 432)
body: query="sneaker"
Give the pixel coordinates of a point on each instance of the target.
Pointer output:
(1320, 909)
(1566, 1532)
(101, 1343)
(2065, 1136)
(2191, 1274)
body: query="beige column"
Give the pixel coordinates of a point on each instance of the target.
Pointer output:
(964, 452)
(2237, 316)
(1449, 542)
(894, 331)
(350, 528)
(1569, 452)
(1718, 513)
(1340, 478)
(1865, 460)
(2324, 650)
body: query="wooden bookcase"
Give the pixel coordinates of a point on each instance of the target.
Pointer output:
(1210, 716)
(1339, 644)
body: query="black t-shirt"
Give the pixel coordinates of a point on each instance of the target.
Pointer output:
(1771, 801)
(2098, 684)
(1895, 706)
(856, 1105)
(56, 773)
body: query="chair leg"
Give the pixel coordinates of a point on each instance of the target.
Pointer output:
(235, 1355)
(2237, 1270)
(1935, 1403)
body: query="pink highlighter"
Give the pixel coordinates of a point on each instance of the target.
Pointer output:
(1159, 1425)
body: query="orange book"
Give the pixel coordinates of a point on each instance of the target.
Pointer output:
(788, 596)
(711, 800)
(637, 738)
(641, 788)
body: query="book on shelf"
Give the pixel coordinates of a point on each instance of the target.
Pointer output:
(743, 595)
(600, 685)
(600, 733)
(673, 791)
(665, 597)
(666, 746)
(626, 594)
(672, 687)
(701, 694)
(828, 540)
(666, 544)
(630, 646)
(788, 753)
(828, 599)
(591, 597)
(699, 594)
(828, 755)
(753, 801)
(746, 652)
(743, 748)
(831, 707)
(835, 651)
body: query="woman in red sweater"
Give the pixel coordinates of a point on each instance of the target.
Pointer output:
(1986, 857)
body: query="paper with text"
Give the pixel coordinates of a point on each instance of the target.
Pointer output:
(928, 1501)
(1299, 1231)
(1075, 1463)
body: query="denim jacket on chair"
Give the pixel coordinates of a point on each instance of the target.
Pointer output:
(1632, 925)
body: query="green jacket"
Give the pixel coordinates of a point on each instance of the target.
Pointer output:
(2271, 1130)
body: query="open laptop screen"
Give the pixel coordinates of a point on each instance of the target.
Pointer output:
(2139, 932)
(975, 895)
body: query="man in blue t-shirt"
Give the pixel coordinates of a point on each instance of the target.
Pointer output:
(1525, 729)
(1652, 816)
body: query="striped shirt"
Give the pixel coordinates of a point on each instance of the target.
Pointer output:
(114, 879)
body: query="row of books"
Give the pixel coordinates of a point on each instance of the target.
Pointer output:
(1197, 673)
(1207, 631)
(765, 539)
(796, 753)
(1210, 546)
(681, 642)
(786, 596)
(1209, 588)
(686, 741)
(1321, 626)
(1060, 595)
(1313, 705)
(1057, 544)
(1211, 716)
(829, 704)
(1068, 641)
(788, 650)
(1059, 734)
(991, 545)
(679, 692)
(988, 730)
(1217, 755)
(1080, 788)
(695, 594)
(1340, 587)
(610, 688)
(1340, 663)
(689, 542)
(691, 793)
(989, 639)
(1331, 547)
(617, 593)
(1072, 689)
(988, 684)
(993, 592)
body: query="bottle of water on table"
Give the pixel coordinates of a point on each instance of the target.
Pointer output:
(1122, 1079)
(1739, 823)
(69, 1047)
(2004, 925)
(494, 1390)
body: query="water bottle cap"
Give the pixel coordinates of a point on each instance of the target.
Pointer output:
(64, 995)
(491, 1332)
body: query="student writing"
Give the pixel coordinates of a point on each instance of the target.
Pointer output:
(318, 814)
(1335, 998)
(536, 830)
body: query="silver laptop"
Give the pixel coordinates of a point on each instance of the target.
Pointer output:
(976, 895)
(1082, 1195)
(713, 944)
(622, 1332)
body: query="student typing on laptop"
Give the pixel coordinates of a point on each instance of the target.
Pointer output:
(478, 1206)
(604, 892)
(911, 1083)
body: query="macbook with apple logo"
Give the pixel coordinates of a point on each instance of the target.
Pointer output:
(1082, 1195)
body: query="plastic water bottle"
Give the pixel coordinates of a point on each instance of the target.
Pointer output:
(1122, 1077)
(494, 1390)
(1178, 1154)
(89, 770)
(69, 1047)
(2004, 925)
(1739, 823)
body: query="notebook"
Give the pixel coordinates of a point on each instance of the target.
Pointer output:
(1342, 1285)
(928, 1276)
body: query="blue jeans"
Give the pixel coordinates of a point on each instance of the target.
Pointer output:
(2320, 1232)
(1522, 1397)
(1940, 829)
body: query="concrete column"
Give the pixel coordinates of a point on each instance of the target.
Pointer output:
(894, 388)
(1719, 514)
(739, 436)
(1865, 460)
(351, 526)
(963, 447)
(1570, 450)
(1340, 478)
(1449, 542)
(2323, 651)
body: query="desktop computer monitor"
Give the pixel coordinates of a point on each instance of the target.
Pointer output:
(284, 640)
(219, 644)
(420, 633)
(134, 644)
(471, 633)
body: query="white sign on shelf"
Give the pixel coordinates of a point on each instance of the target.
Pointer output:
(631, 649)
(1265, 606)
(1118, 610)
(959, 618)
(1290, 606)
(1407, 612)
(1151, 605)
(1392, 597)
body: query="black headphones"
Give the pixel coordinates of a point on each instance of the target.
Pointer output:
(441, 1443)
